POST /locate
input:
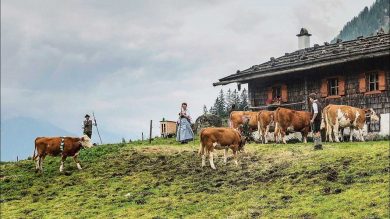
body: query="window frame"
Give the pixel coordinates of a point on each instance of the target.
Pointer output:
(335, 87)
(375, 82)
(276, 94)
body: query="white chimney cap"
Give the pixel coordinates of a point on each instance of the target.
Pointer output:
(303, 32)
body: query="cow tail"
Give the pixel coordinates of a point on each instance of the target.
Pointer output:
(328, 124)
(35, 149)
(258, 123)
(275, 117)
(230, 120)
(201, 146)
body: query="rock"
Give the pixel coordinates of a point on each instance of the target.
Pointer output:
(207, 120)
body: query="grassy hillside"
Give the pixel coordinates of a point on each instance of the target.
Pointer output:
(165, 180)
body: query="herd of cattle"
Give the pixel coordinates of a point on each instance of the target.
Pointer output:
(281, 121)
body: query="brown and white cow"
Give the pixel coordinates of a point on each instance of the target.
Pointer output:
(219, 139)
(342, 116)
(59, 146)
(238, 118)
(265, 120)
(287, 120)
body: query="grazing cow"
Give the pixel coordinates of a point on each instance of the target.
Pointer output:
(220, 138)
(59, 146)
(341, 116)
(238, 118)
(265, 120)
(287, 120)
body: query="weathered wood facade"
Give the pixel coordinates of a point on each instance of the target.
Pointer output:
(354, 73)
(167, 128)
(259, 89)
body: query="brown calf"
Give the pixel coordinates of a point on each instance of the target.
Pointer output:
(59, 146)
(219, 139)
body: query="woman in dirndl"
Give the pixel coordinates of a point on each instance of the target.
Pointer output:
(184, 132)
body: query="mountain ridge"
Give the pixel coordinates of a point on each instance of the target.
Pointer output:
(367, 23)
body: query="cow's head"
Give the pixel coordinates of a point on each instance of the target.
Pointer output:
(242, 143)
(372, 115)
(86, 141)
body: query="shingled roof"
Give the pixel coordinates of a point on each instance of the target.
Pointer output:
(314, 57)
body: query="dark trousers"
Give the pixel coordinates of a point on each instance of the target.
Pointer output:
(316, 126)
(89, 134)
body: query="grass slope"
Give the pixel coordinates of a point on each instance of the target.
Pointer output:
(165, 180)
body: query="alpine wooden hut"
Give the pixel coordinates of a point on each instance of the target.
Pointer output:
(167, 128)
(354, 73)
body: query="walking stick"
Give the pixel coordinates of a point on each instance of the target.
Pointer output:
(94, 119)
(178, 129)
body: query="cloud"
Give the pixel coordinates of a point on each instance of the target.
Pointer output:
(132, 61)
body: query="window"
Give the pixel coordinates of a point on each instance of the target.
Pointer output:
(276, 92)
(373, 84)
(333, 86)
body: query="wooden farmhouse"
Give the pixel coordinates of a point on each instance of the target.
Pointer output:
(354, 73)
(167, 128)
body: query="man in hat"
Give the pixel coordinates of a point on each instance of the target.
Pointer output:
(316, 120)
(87, 126)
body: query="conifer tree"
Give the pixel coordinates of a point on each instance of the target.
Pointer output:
(205, 109)
(243, 100)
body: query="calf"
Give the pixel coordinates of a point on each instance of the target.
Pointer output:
(292, 121)
(59, 146)
(265, 120)
(219, 138)
(342, 116)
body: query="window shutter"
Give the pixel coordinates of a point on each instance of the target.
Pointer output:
(284, 92)
(324, 88)
(270, 93)
(382, 80)
(341, 90)
(362, 83)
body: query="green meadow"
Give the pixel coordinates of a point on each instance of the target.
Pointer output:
(166, 180)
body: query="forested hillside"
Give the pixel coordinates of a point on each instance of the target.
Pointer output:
(368, 22)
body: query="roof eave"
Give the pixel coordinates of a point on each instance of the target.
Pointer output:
(255, 75)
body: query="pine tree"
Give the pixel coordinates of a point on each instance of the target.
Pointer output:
(204, 109)
(221, 105)
(243, 100)
(212, 111)
(229, 100)
(216, 107)
(236, 98)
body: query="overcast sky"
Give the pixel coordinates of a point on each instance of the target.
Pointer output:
(132, 61)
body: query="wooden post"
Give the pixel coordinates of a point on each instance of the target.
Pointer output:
(142, 136)
(306, 94)
(150, 132)
(17, 158)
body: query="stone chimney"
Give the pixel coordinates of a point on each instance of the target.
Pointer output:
(303, 39)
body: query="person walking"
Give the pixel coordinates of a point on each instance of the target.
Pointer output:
(184, 130)
(316, 120)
